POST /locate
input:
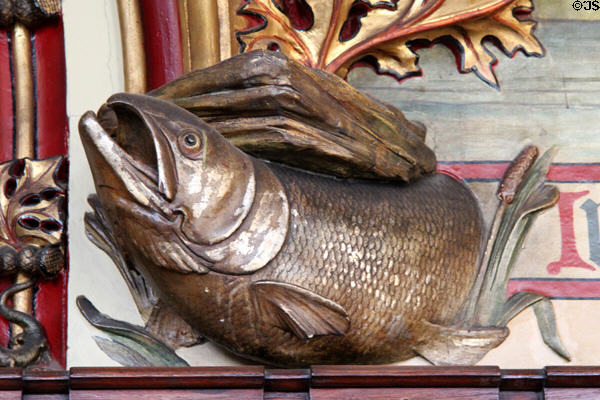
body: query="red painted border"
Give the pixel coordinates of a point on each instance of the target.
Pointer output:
(6, 138)
(495, 170)
(6, 102)
(162, 41)
(52, 135)
(564, 289)
(51, 93)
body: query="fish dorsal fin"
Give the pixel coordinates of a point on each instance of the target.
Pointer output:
(447, 345)
(301, 311)
(260, 237)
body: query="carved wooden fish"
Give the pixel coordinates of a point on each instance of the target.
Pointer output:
(277, 264)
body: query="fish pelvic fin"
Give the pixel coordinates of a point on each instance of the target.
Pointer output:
(442, 345)
(98, 231)
(298, 310)
(171, 329)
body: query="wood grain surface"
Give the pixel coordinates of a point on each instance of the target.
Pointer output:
(342, 382)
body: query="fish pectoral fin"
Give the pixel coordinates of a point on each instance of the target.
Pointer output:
(443, 345)
(301, 311)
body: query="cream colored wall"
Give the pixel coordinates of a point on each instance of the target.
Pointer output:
(93, 54)
(94, 72)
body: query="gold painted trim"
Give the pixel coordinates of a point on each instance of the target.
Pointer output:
(132, 41)
(207, 32)
(224, 29)
(22, 301)
(203, 32)
(185, 35)
(24, 101)
(25, 133)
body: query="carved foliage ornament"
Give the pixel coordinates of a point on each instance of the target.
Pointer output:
(334, 34)
(31, 212)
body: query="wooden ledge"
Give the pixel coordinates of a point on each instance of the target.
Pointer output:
(318, 382)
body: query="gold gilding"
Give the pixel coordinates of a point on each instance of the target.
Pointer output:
(224, 29)
(205, 49)
(24, 126)
(134, 59)
(24, 100)
(185, 34)
(384, 33)
(208, 31)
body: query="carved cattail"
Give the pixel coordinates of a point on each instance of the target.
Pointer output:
(8, 260)
(511, 183)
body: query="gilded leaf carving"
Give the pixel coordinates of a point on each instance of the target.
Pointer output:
(342, 32)
(31, 201)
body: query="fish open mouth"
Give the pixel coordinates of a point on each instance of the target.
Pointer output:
(132, 135)
(132, 143)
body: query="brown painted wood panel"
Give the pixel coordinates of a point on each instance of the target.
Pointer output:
(251, 377)
(521, 396)
(572, 394)
(10, 395)
(405, 394)
(287, 396)
(318, 383)
(374, 376)
(173, 394)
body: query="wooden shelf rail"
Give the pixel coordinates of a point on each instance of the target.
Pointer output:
(316, 383)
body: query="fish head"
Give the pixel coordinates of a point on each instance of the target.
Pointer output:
(171, 163)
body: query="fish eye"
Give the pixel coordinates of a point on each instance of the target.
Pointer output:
(190, 145)
(190, 139)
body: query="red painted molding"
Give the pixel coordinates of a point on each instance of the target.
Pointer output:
(6, 101)
(324, 382)
(573, 289)
(52, 136)
(162, 41)
(490, 170)
(51, 94)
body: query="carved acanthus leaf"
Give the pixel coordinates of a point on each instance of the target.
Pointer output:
(31, 201)
(343, 32)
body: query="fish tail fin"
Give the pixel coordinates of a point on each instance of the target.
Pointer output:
(443, 345)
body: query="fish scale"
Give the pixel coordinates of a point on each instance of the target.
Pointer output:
(415, 242)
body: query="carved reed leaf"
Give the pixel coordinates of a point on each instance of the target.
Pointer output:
(31, 201)
(341, 32)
